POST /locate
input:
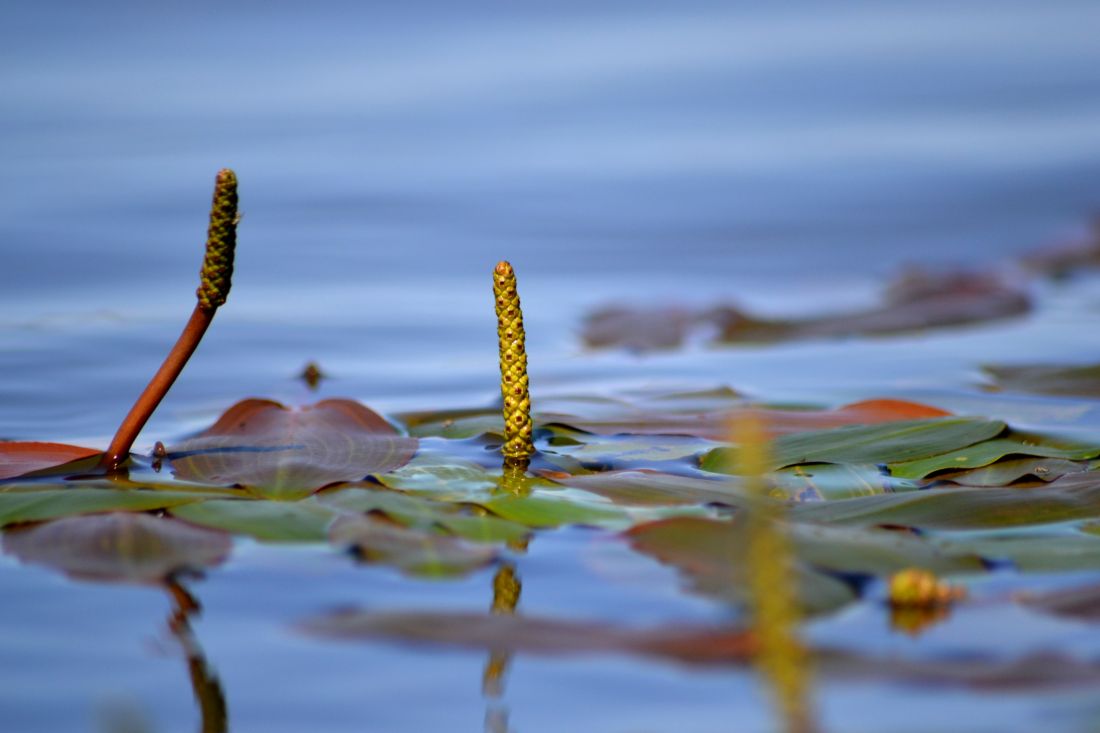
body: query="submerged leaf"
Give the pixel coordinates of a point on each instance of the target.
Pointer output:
(414, 551)
(126, 547)
(284, 453)
(20, 458)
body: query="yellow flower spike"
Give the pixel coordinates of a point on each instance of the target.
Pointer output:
(517, 448)
(781, 659)
(917, 588)
(221, 241)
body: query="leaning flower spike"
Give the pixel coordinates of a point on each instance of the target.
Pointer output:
(214, 281)
(781, 659)
(517, 448)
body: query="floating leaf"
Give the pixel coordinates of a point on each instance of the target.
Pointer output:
(284, 453)
(896, 441)
(21, 458)
(985, 453)
(708, 414)
(1006, 472)
(540, 511)
(507, 634)
(49, 501)
(126, 547)
(963, 507)
(414, 551)
(712, 555)
(415, 511)
(653, 488)
(304, 521)
(1051, 379)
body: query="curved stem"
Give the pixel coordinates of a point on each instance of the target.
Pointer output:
(158, 386)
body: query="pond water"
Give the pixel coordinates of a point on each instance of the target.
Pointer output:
(789, 159)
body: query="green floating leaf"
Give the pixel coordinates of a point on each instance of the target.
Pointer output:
(889, 442)
(1003, 473)
(454, 424)
(304, 521)
(121, 547)
(413, 551)
(653, 488)
(539, 511)
(287, 454)
(627, 450)
(985, 453)
(415, 511)
(964, 508)
(49, 501)
(1026, 549)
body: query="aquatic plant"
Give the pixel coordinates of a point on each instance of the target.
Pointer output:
(517, 448)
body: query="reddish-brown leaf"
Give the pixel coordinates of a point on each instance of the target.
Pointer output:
(714, 424)
(288, 453)
(19, 458)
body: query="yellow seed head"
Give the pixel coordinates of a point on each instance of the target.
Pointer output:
(513, 366)
(221, 241)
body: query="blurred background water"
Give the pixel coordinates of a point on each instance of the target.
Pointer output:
(786, 156)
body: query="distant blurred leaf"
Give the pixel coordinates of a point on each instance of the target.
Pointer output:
(125, 547)
(20, 458)
(895, 441)
(1081, 603)
(284, 453)
(413, 551)
(304, 521)
(1083, 381)
(917, 300)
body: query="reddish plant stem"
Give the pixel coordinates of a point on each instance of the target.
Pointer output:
(158, 386)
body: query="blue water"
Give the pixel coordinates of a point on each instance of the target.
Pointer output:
(789, 158)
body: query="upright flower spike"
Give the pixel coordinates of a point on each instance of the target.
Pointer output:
(517, 448)
(214, 282)
(781, 659)
(221, 243)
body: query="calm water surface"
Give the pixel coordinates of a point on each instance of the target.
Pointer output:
(790, 159)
